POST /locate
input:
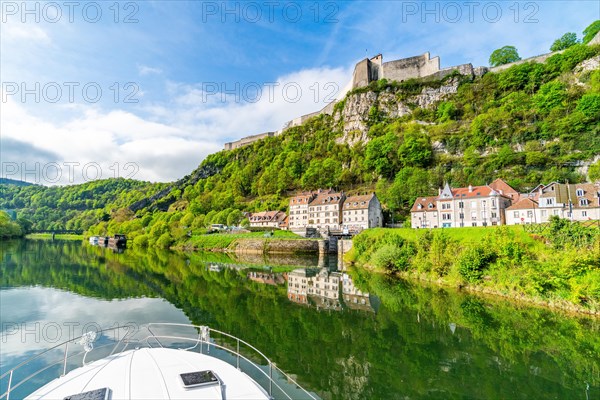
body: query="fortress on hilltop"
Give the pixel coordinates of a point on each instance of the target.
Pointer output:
(423, 66)
(373, 69)
(367, 71)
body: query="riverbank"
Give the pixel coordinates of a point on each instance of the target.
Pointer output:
(279, 242)
(48, 236)
(559, 269)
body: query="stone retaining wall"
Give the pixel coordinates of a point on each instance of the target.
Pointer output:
(276, 246)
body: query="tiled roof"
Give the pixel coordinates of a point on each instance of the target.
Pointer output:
(266, 216)
(326, 198)
(476, 191)
(306, 197)
(358, 202)
(523, 204)
(504, 188)
(591, 192)
(424, 202)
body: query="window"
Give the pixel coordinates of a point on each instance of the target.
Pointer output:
(550, 202)
(430, 205)
(446, 217)
(516, 214)
(494, 215)
(544, 213)
(473, 214)
(493, 202)
(474, 224)
(584, 202)
(473, 204)
(461, 204)
(529, 214)
(461, 216)
(555, 212)
(579, 192)
(584, 213)
(445, 206)
(419, 206)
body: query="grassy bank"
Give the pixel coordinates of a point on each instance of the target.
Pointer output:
(223, 241)
(558, 267)
(48, 236)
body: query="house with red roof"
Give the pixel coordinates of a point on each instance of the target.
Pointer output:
(577, 202)
(268, 219)
(465, 206)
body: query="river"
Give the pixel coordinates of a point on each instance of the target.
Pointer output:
(344, 335)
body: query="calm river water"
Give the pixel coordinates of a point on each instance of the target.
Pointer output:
(343, 336)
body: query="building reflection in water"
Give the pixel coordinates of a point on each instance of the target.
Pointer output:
(267, 278)
(327, 290)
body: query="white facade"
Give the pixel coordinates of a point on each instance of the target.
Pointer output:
(362, 212)
(462, 207)
(577, 202)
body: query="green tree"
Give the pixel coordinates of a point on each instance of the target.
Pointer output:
(415, 150)
(594, 172)
(234, 217)
(504, 55)
(567, 40)
(589, 105)
(591, 31)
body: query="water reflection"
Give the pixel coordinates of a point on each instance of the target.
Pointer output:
(391, 340)
(325, 289)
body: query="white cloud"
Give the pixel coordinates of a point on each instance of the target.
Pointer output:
(250, 108)
(144, 70)
(92, 138)
(173, 138)
(18, 32)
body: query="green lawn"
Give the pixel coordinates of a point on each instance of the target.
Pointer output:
(48, 236)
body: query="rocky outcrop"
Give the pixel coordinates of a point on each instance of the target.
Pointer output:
(590, 64)
(430, 96)
(355, 114)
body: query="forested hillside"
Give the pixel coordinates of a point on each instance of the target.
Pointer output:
(529, 124)
(75, 207)
(532, 123)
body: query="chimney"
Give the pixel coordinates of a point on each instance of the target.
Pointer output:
(470, 188)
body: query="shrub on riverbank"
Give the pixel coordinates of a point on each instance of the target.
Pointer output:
(560, 265)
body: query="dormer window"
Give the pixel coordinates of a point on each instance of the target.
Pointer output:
(579, 192)
(419, 206)
(430, 205)
(584, 202)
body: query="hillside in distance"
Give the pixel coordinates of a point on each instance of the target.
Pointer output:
(529, 124)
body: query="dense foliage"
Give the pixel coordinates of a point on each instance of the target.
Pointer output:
(504, 55)
(529, 124)
(347, 354)
(564, 42)
(75, 207)
(9, 228)
(532, 123)
(560, 263)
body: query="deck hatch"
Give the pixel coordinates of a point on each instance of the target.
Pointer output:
(97, 394)
(199, 378)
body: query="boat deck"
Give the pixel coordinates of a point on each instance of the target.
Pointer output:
(153, 373)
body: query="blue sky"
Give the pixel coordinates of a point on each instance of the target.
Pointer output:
(174, 57)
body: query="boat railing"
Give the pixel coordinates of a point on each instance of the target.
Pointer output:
(201, 341)
(65, 357)
(205, 341)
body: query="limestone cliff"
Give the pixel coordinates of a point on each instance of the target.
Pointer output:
(393, 102)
